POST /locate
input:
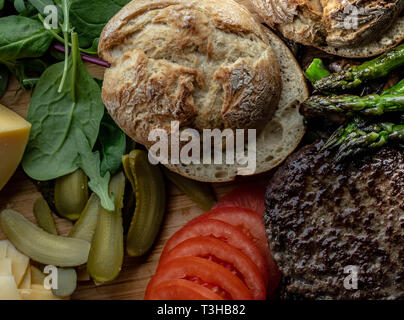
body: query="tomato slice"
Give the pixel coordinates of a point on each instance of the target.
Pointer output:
(227, 256)
(250, 196)
(222, 231)
(251, 223)
(202, 272)
(180, 290)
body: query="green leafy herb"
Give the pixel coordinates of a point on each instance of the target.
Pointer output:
(89, 17)
(3, 80)
(65, 126)
(65, 29)
(112, 145)
(19, 5)
(41, 4)
(22, 37)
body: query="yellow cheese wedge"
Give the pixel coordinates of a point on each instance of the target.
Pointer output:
(37, 277)
(5, 267)
(20, 262)
(26, 281)
(37, 294)
(3, 248)
(8, 289)
(14, 134)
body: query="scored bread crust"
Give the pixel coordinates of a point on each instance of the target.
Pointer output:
(205, 64)
(280, 136)
(319, 24)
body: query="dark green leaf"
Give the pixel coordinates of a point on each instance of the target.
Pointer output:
(3, 80)
(89, 17)
(22, 37)
(65, 127)
(2, 4)
(112, 144)
(41, 4)
(19, 5)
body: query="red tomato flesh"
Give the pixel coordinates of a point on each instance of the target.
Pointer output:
(202, 272)
(222, 231)
(181, 290)
(227, 256)
(250, 196)
(251, 224)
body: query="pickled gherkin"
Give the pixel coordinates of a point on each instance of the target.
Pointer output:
(71, 194)
(106, 253)
(40, 245)
(85, 227)
(199, 192)
(148, 183)
(43, 216)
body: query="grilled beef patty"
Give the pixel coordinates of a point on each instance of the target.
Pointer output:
(322, 217)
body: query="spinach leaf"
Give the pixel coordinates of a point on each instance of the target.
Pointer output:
(40, 4)
(111, 142)
(89, 17)
(65, 126)
(27, 71)
(22, 37)
(19, 5)
(112, 145)
(3, 80)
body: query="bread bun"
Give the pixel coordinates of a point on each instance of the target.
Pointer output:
(206, 64)
(280, 136)
(323, 24)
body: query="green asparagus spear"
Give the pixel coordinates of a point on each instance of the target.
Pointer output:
(316, 71)
(358, 137)
(397, 89)
(355, 76)
(371, 105)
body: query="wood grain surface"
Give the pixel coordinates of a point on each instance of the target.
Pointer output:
(20, 194)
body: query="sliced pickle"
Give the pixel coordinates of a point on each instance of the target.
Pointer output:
(67, 282)
(106, 254)
(71, 194)
(199, 192)
(43, 216)
(148, 183)
(84, 228)
(40, 245)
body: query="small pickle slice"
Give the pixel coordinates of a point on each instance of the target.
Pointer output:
(71, 194)
(84, 228)
(66, 282)
(40, 245)
(199, 192)
(43, 216)
(106, 254)
(150, 203)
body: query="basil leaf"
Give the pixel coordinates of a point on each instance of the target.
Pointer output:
(65, 127)
(89, 17)
(112, 144)
(22, 37)
(3, 80)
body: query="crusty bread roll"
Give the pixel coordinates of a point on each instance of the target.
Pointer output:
(332, 25)
(206, 64)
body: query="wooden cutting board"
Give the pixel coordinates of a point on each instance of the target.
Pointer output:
(20, 194)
